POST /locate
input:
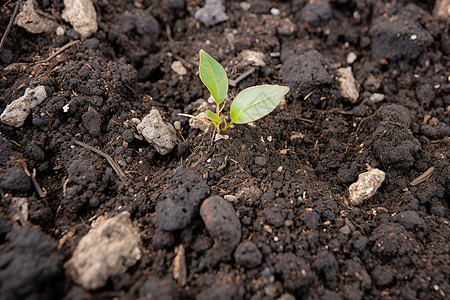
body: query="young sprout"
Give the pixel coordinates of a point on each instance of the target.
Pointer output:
(249, 105)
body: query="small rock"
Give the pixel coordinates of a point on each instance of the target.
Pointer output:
(351, 57)
(81, 14)
(212, 13)
(158, 133)
(347, 84)
(222, 224)
(230, 198)
(178, 68)
(275, 11)
(254, 58)
(366, 186)
(442, 9)
(199, 124)
(60, 31)
(245, 5)
(248, 255)
(17, 111)
(109, 248)
(376, 98)
(179, 265)
(33, 20)
(177, 125)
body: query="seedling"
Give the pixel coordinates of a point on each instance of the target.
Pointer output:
(249, 105)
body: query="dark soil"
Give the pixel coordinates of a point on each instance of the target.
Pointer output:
(285, 231)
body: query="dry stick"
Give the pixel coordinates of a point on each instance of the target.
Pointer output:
(8, 28)
(108, 158)
(36, 184)
(241, 77)
(69, 44)
(422, 177)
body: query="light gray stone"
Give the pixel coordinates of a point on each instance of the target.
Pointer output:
(212, 13)
(158, 133)
(347, 84)
(17, 111)
(109, 248)
(82, 16)
(33, 20)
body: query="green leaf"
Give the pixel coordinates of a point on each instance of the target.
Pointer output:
(213, 76)
(213, 117)
(256, 102)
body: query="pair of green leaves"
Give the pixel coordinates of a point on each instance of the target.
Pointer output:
(249, 105)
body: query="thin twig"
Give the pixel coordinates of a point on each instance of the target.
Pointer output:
(241, 77)
(423, 177)
(69, 44)
(11, 21)
(306, 120)
(36, 185)
(108, 158)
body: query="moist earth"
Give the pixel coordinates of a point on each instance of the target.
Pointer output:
(261, 213)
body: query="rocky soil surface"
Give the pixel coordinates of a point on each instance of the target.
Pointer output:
(107, 193)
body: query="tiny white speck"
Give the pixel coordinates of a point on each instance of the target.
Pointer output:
(140, 161)
(436, 287)
(119, 207)
(269, 138)
(208, 160)
(413, 37)
(72, 147)
(66, 108)
(275, 239)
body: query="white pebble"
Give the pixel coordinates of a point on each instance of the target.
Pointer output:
(366, 186)
(60, 31)
(230, 198)
(376, 97)
(178, 68)
(275, 11)
(351, 57)
(413, 37)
